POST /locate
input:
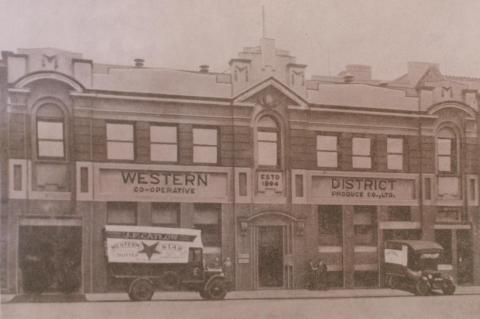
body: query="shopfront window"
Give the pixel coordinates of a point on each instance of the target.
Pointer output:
(327, 155)
(121, 213)
(205, 145)
(361, 150)
(395, 153)
(268, 142)
(206, 217)
(399, 214)
(364, 221)
(50, 132)
(330, 225)
(166, 214)
(120, 145)
(163, 143)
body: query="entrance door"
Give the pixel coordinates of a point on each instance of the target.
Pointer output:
(465, 260)
(50, 258)
(270, 256)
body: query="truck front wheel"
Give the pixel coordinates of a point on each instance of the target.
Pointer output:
(422, 287)
(140, 290)
(216, 289)
(448, 287)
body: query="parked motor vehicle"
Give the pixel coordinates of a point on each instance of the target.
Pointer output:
(413, 265)
(146, 259)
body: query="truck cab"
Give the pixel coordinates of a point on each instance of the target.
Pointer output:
(413, 265)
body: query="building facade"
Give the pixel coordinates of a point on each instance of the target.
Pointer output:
(274, 168)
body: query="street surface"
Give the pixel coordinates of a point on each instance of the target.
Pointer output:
(402, 307)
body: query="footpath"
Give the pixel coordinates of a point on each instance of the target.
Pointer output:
(235, 295)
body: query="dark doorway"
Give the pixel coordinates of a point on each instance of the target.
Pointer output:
(444, 238)
(270, 256)
(50, 258)
(465, 257)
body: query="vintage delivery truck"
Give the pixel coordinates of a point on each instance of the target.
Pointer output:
(413, 265)
(144, 259)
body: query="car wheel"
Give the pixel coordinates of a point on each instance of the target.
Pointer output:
(140, 290)
(216, 289)
(422, 287)
(169, 281)
(448, 287)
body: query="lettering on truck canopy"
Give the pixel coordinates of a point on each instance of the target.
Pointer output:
(154, 245)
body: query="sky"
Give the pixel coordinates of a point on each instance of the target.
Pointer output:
(324, 34)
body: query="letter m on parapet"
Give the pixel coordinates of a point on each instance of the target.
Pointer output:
(49, 61)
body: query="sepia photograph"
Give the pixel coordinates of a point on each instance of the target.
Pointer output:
(239, 159)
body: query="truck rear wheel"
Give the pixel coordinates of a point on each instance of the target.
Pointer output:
(140, 290)
(392, 282)
(216, 289)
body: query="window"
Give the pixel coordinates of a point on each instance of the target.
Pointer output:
(120, 141)
(446, 151)
(361, 152)
(327, 151)
(166, 214)
(268, 141)
(17, 177)
(399, 214)
(395, 153)
(163, 143)
(205, 144)
(206, 217)
(330, 225)
(120, 213)
(364, 225)
(50, 132)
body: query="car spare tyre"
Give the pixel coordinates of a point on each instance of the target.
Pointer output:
(140, 289)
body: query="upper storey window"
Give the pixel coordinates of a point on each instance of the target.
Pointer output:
(120, 141)
(447, 151)
(268, 142)
(205, 145)
(50, 132)
(361, 152)
(327, 151)
(163, 143)
(395, 153)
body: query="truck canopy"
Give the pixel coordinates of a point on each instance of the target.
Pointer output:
(419, 245)
(155, 245)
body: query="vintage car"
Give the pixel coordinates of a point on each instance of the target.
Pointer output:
(143, 259)
(412, 265)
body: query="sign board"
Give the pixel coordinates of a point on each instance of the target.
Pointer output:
(270, 181)
(137, 244)
(363, 188)
(162, 183)
(396, 256)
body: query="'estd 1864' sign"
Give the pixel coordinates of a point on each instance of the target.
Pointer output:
(270, 181)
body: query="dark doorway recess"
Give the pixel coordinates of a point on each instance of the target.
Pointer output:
(270, 256)
(50, 258)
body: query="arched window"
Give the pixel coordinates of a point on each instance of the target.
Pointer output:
(50, 129)
(268, 142)
(447, 154)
